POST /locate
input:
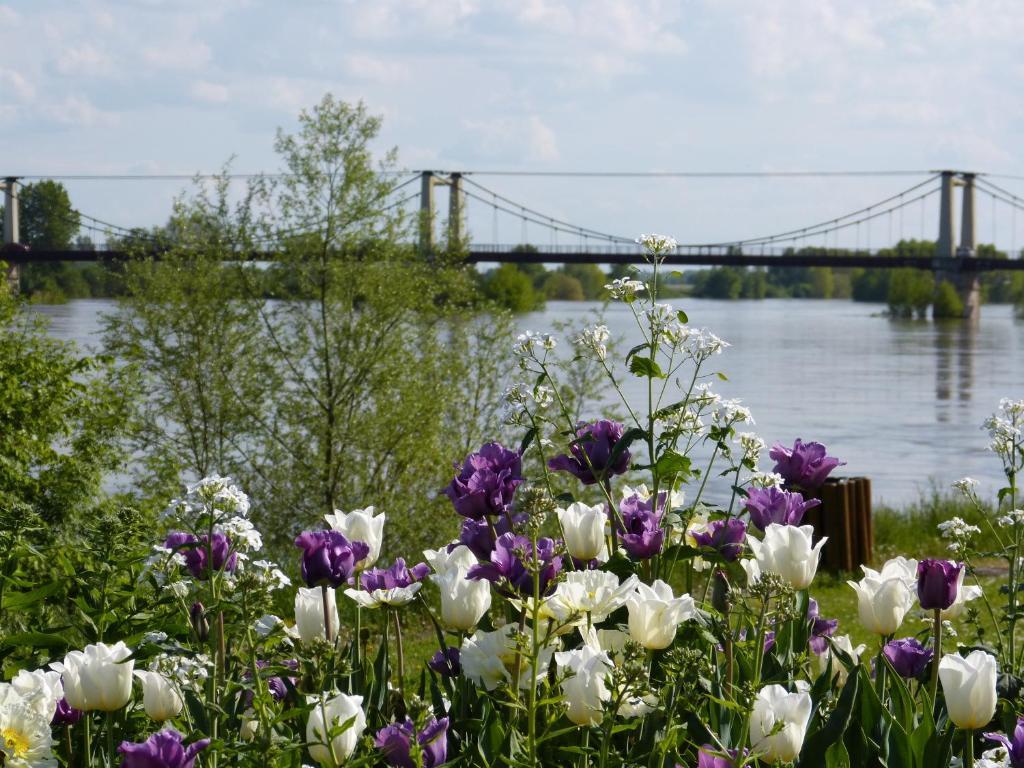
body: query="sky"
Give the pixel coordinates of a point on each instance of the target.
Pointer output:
(182, 86)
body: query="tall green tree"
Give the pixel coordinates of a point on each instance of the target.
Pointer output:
(48, 219)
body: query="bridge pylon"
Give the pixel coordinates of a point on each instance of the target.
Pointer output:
(12, 233)
(949, 261)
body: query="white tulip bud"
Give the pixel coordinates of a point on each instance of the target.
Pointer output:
(654, 614)
(778, 722)
(360, 525)
(969, 687)
(583, 527)
(160, 697)
(584, 686)
(328, 714)
(884, 597)
(786, 551)
(97, 678)
(463, 601)
(309, 613)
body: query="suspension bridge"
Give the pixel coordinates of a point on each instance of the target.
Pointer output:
(815, 245)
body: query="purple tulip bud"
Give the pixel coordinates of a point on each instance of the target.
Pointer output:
(446, 663)
(199, 552)
(328, 558)
(1014, 746)
(487, 482)
(707, 758)
(395, 577)
(591, 460)
(771, 505)
(197, 617)
(163, 749)
(640, 531)
(805, 465)
(395, 742)
(937, 583)
(726, 537)
(820, 628)
(508, 569)
(65, 714)
(907, 656)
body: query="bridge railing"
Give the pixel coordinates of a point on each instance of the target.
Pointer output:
(635, 249)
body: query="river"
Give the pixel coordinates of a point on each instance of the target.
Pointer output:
(901, 401)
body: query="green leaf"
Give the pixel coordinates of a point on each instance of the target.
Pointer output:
(819, 743)
(672, 463)
(645, 366)
(20, 600)
(527, 439)
(34, 640)
(682, 317)
(722, 376)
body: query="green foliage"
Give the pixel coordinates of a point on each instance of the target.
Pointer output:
(947, 301)
(61, 420)
(910, 292)
(509, 287)
(563, 287)
(719, 283)
(47, 218)
(590, 277)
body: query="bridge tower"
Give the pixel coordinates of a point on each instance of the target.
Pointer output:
(12, 233)
(426, 213)
(456, 210)
(950, 261)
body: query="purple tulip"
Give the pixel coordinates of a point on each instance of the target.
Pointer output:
(907, 656)
(937, 583)
(1014, 746)
(771, 505)
(706, 758)
(487, 482)
(161, 750)
(328, 558)
(395, 742)
(395, 577)
(446, 663)
(476, 534)
(640, 530)
(805, 465)
(65, 714)
(726, 537)
(197, 551)
(277, 685)
(820, 628)
(591, 458)
(508, 571)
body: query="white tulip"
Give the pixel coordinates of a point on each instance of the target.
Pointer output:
(97, 678)
(654, 614)
(26, 740)
(787, 551)
(160, 697)
(884, 597)
(375, 598)
(583, 527)
(488, 658)
(460, 558)
(324, 717)
(40, 689)
(584, 686)
(250, 725)
(464, 601)
(309, 613)
(597, 593)
(778, 722)
(963, 596)
(844, 644)
(969, 687)
(360, 525)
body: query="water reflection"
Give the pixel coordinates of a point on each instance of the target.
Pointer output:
(955, 344)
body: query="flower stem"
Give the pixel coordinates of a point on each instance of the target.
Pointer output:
(87, 738)
(969, 748)
(401, 656)
(327, 613)
(110, 740)
(936, 654)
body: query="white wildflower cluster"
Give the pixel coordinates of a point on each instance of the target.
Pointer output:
(624, 288)
(270, 574)
(704, 397)
(662, 317)
(1012, 518)
(657, 245)
(593, 341)
(527, 343)
(689, 422)
(751, 445)
(959, 533)
(731, 412)
(767, 480)
(162, 564)
(1004, 428)
(519, 397)
(243, 534)
(266, 624)
(154, 638)
(187, 673)
(214, 495)
(967, 486)
(702, 344)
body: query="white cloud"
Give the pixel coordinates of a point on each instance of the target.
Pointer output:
(212, 93)
(16, 84)
(376, 69)
(513, 139)
(84, 60)
(78, 112)
(178, 55)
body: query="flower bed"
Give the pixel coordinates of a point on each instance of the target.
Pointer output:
(609, 625)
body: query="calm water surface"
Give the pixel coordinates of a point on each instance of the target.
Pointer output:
(901, 401)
